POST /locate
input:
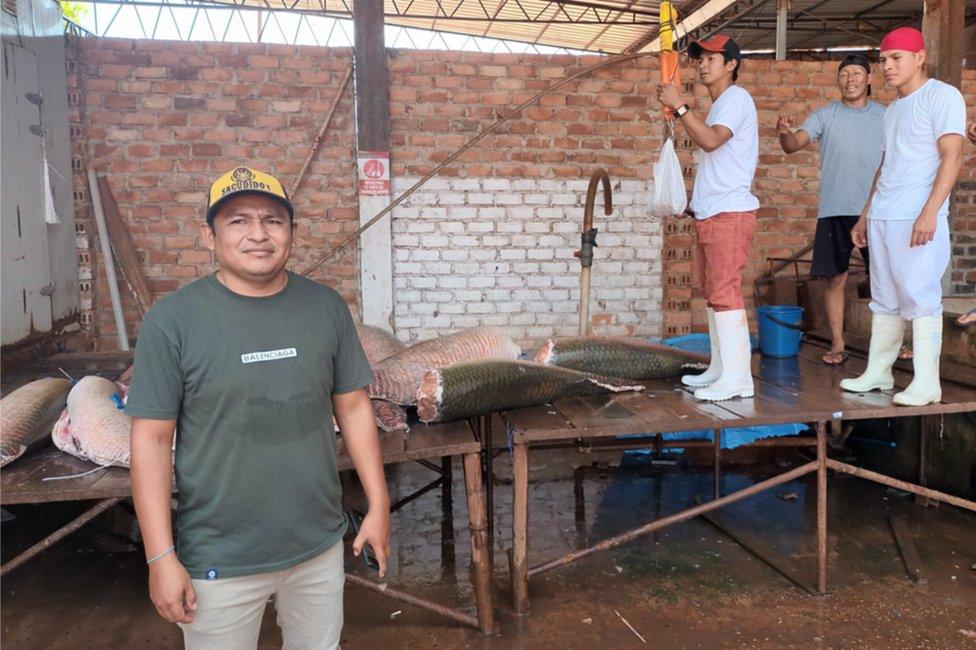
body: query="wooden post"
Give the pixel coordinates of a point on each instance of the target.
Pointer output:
(374, 177)
(479, 541)
(943, 25)
(520, 520)
(782, 14)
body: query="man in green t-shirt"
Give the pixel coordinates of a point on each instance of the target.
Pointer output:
(248, 366)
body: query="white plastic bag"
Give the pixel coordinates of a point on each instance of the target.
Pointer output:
(669, 197)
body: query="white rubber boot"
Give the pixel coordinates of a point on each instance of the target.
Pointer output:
(736, 350)
(926, 349)
(887, 333)
(714, 370)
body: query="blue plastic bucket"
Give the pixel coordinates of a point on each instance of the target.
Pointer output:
(780, 330)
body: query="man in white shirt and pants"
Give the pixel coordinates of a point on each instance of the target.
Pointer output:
(724, 209)
(905, 220)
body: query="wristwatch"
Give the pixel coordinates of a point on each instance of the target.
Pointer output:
(681, 110)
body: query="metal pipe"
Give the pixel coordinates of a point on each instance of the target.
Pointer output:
(318, 138)
(106, 248)
(684, 515)
(860, 472)
(58, 535)
(416, 601)
(588, 241)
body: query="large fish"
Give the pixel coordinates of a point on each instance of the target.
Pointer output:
(619, 357)
(390, 416)
(478, 387)
(378, 344)
(397, 378)
(93, 427)
(27, 413)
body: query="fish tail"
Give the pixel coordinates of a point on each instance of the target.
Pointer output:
(430, 395)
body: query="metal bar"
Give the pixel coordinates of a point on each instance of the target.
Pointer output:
(105, 247)
(717, 447)
(909, 554)
(822, 507)
(520, 518)
(614, 444)
(447, 516)
(756, 545)
(489, 483)
(416, 494)
(684, 515)
(480, 552)
(923, 437)
(318, 138)
(860, 472)
(410, 599)
(436, 468)
(58, 535)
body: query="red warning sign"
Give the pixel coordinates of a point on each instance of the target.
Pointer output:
(374, 173)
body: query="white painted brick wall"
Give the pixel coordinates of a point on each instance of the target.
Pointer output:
(495, 251)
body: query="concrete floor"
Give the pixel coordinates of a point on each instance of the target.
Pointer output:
(687, 587)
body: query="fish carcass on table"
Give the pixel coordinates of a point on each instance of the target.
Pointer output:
(93, 427)
(479, 387)
(619, 357)
(397, 378)
(378, 344)
(390, 416)
(27, 413)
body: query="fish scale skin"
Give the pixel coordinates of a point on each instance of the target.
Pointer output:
(26, 415)
(92, 427)
(618, 357)
(398, 377)
(478, 387)
(378, 344)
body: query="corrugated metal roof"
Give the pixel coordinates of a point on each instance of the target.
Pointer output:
(614, 26)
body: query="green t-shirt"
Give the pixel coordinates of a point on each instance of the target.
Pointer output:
(250, 381)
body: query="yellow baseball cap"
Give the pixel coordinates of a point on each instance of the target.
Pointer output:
(245, 180)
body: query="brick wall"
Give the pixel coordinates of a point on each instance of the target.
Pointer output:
(162, 119)
(962, 275)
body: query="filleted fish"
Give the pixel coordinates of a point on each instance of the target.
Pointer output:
(390, 416)
(27, 413)
(93, 427)
(398, 377)
(478, 387)
(619, 357)
(378, 344)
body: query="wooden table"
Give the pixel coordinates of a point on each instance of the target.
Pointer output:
(801, 389)
(23, 482)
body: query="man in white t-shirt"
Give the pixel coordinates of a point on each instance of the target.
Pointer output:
(906, 221)
(724, 209)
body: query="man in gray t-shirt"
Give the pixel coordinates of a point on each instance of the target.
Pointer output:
(249, 365)
(850, 136)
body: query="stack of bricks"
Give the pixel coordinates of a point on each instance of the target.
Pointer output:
(162, 119)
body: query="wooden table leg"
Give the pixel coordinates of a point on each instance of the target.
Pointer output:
(520, 519)
(822, 507)
(477, 523)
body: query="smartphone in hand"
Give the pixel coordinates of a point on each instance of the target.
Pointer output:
(355, 518)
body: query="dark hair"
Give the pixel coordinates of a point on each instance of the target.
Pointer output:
(726, 57)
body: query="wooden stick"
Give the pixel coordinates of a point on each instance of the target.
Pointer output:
(318, 138)
(477, 523)
(125, 249)
(520, 520)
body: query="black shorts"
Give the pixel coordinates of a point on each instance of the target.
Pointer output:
(832, 247)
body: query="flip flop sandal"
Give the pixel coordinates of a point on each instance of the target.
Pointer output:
(835, 358)
(971, 314)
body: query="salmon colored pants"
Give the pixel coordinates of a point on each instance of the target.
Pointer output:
(723, 249)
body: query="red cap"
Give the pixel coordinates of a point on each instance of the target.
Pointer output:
(907, 39)
(717, 43)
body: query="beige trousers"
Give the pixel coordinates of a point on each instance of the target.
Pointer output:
(308, 598)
